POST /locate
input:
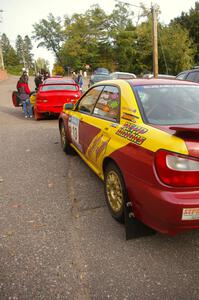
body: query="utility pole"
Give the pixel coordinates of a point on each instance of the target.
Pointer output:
(155, 41)
(1, 52)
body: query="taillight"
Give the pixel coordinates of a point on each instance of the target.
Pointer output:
(176, 169)
(42, 100)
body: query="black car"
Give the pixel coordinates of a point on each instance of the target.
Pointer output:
(98, 77)
(189, 75)
(101, 71)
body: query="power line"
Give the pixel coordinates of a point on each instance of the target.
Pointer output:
(130, 4)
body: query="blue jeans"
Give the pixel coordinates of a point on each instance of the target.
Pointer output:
(27, 108)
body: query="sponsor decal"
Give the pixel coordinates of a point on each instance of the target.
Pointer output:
(129, 109)
(132, 132)
(97, 147)
(129, 117)
(190, 214)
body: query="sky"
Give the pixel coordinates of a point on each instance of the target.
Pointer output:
(19, 16)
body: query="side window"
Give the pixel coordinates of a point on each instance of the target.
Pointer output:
(181, 76)
(196, 79)
(108, 104)
(191, 76)
(88, 101)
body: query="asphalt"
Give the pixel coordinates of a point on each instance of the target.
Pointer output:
(57, 238)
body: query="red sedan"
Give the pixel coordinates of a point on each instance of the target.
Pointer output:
(52, 95)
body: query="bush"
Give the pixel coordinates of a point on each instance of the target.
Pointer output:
(14, 70)
(17, 70)
(58, 70)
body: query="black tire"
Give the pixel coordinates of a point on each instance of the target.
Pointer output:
(115, 191)
(38, 116)
(64, 141)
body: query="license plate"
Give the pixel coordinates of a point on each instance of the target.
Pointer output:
(190, 213)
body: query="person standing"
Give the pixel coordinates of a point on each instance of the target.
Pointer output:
(38, 81)
(80, 81)
(74, 77)
(24, 94)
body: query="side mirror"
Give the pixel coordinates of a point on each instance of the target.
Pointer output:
(69, 106)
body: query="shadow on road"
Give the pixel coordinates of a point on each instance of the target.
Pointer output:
(18, 113)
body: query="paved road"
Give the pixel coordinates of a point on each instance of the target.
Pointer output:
(57, 239)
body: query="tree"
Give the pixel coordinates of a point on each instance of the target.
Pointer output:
(49, 34)
(86, 39)
(90, 37)
(23, 49)
(120, 18)
(189, 21)
(20, 50)
(143, 59)
(27, 45)
(9, 54)
(176, 50)
(112, 40)
(125, 50)
(42, 64)
(58, 70)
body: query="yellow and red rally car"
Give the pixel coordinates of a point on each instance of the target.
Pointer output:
(141, 137)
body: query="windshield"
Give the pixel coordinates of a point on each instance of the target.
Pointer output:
(59, 87)
(169, 104)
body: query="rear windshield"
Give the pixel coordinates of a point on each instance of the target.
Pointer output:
(59, 87)
(169, 104)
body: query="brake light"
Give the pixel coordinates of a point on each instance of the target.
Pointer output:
(177, 170)
(42, 100)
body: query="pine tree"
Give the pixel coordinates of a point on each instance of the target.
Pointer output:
(9, 53)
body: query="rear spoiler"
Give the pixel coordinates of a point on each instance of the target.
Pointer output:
(186, 131)
(188, 128)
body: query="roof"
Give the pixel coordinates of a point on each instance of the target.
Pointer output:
(160, 76)
(136, 82)
(122, 73)
(59, 81)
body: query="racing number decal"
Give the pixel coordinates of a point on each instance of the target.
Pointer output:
(74, 126)
(75, 133)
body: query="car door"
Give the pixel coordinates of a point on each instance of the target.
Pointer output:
(77, 121)
(100, 126)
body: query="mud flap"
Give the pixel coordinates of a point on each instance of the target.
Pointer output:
(134, 228)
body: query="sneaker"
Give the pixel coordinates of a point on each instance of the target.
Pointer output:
(26, 117)
(30, 116)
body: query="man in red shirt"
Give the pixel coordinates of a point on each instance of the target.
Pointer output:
(24, 93)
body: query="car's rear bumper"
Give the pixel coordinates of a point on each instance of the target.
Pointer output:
(45, 108)
(162, 209)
